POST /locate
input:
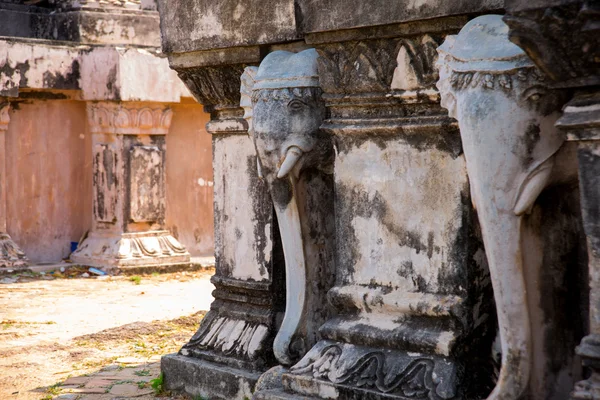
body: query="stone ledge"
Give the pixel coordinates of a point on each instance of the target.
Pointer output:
(197, 377)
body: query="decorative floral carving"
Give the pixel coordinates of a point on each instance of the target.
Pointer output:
(231, 337)
(383, 371)
(129, 119)
(369, 66)
(131, 249)
(150, 246)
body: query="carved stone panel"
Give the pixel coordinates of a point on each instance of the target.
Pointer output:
(105, 183)
(147, 184)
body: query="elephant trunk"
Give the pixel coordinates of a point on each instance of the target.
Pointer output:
(293, 248)
(502, 238)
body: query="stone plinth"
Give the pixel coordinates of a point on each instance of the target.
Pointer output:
(11, 255)
(128, 156)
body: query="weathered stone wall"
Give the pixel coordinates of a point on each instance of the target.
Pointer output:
(48, 177)
(49, 173)
(190, 180)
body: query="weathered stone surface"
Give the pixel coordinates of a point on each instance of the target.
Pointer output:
(28, 64)
(330, 15)
(86, 24)
(202, 378)
(128, 74)
(483, 79)
(190, 25)
(147, 184)
(101, 73)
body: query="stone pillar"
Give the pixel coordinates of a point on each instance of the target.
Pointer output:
(234, 343)
(581, 122)
(11, 256)
(129, 151)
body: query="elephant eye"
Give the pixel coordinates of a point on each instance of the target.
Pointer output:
(296, 105)
(534, 94)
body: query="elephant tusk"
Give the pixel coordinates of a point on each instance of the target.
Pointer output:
(292, 156)
(295, 270)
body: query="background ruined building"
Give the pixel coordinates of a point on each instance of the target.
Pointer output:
(88, 110)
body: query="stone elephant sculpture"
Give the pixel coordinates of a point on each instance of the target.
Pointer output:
(513, 152)
(284, 110)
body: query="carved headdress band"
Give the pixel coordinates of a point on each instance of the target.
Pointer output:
(283, 69)
(483, 46)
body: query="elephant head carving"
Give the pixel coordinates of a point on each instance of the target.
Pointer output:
(284, 110)
(506, 115)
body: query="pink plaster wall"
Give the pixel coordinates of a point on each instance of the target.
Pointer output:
(49, 171)
(48, 155)
(189, 180)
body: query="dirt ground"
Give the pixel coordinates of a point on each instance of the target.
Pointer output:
(64, 336)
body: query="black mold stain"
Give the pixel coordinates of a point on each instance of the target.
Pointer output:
(530, 140)
(353, 202)
(562, 278)
(68, 81)
(23, 67)
(113, 85)
(281, 192)
(447, 140)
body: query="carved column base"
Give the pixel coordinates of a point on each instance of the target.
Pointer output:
(11, 255)
(340, 370)
(139, 249)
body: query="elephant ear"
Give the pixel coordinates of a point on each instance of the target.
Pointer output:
(533, 184)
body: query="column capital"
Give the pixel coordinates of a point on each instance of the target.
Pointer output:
(129, 118)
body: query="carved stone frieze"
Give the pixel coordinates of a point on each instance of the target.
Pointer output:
(561, 39)
(406, 376)
(130, 250)
(129, 118)
(377, 66)
(379, 85)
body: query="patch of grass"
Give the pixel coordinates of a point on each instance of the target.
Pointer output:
(158, 384)
(141, 384)
(136, 279)
(200, 397)
(54, 389)
(144, 372)
(155, 274)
